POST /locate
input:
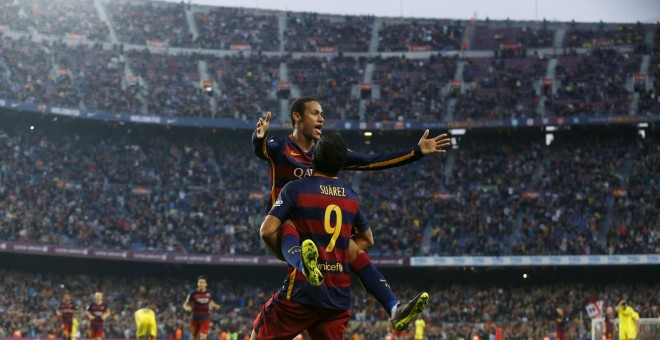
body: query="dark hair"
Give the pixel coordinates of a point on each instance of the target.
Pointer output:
(202, 277)
(329, 154)
(299, 105)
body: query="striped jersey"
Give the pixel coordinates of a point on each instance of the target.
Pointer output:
(289, 162)
(200, 302)
(324, 210)
(66, 311)
(97, 310)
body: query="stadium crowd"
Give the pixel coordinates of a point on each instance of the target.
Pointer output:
(522, 311)
(510, 84)
(98, 185)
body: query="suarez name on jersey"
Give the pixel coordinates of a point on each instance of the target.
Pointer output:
(324, 210)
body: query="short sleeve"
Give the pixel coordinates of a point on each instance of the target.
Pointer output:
(285, 203)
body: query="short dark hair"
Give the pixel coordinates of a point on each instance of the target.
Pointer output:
(299, 105)
(202, 277)
(329, 154)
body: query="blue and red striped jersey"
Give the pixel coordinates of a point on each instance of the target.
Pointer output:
(324, 210)
(66, 309)
(289, 162)
(97, 310)
(200, 302)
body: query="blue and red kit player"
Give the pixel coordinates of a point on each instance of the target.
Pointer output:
(97, 313)
(199, 302)
(609, 324)
(290, 158)
(65, 313)
(324, 211)
(560, 325)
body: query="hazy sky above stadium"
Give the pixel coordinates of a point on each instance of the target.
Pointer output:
(553, 10)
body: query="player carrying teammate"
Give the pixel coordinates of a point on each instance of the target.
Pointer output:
(290, 158)
(316, 292)
(199, 302)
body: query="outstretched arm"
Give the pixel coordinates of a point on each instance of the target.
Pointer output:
(386, 160)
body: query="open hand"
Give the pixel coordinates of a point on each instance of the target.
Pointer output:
(435, 144)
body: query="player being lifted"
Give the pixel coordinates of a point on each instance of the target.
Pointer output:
(199, 302)
(97, 313)
(290, 158)
(323, 211)
(65, 312)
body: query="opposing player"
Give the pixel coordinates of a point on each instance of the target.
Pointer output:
(628, 321)
(316, 293)
(65, 313)
(145, 322)
(290, 158)
(97, 312)
(420, 324)
(199, 302)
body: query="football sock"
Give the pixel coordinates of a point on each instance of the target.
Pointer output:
(374, 282)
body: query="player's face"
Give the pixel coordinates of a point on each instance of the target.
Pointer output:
(201, 285)
(311, 121)
(67, 297)
(98, 297)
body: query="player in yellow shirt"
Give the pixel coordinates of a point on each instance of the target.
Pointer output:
(628, 321)
(419, 328)
(145, 319)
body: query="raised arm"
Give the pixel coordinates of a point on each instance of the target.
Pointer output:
(620, 304)
(259, 137)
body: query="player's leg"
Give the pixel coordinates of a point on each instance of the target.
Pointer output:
(332, 326)
(66, 332)
(280, 318)
(139, 331)
(152, 330)
(374, 282)
(301, 255)
(194, 329)
(204, 328)
(371, 279)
